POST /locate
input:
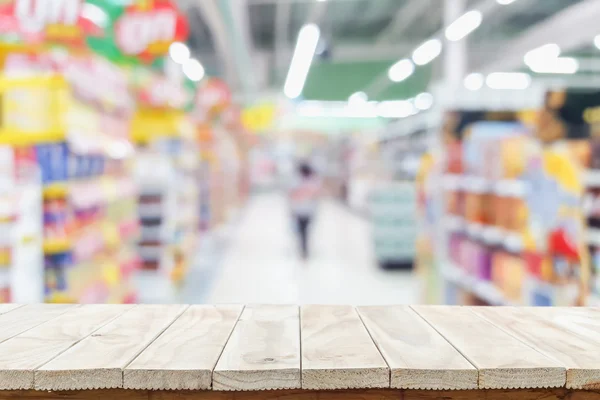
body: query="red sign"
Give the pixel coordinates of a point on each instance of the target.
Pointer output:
(147, 28)
(37, 21)
(212, 98)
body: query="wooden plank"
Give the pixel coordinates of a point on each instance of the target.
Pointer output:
(22, 354)
(376, 394)
(263, 352)
(6, 307)
(538, 329)
(24, 318)
(337, 351)
(418, 356)
(503, 361)
(97, 361)
(184, 356)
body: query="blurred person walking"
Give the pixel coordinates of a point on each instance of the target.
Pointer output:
(304, 201)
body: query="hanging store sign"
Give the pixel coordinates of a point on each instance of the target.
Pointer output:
(47, 21)
(148, 27)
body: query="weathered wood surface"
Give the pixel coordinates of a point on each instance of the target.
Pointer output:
(503, 361)
(263, 352)
(227, 352)
(418, 356)
(184, 356)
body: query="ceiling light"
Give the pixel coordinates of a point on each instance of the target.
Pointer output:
(308, 38)
(505, 2)
(559, 65)
(542, 54)
(357, 99)
(424, 101)
(463, 25)
(473, 81)
(401, 70)
(597, 41)
(395, 109)
(508, 80)
(179, 52)
(193, 69)
(427, 52)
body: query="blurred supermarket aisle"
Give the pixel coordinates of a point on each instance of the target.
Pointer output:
(261, 264)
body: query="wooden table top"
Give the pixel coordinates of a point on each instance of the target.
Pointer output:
(268, 347)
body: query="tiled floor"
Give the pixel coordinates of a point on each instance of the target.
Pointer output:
(261, 264)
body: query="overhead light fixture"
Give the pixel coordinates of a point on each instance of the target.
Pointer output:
(508, 80)
(559, 65)
(464, 25)
(193, 70)
(401, 70)
(357, 99)
(473, 81)
(542, 54)
(308, 38)
(395, 109)
(179, 52)
(427, 52)
(423, 101)
(597, 41)
(505, 2)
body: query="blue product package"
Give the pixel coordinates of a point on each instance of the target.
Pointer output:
(41, 154)
(58, 153)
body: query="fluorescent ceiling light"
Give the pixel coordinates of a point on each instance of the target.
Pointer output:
(395, 109)
(401, 70)
(505, 2)
(474, 81)
(179, 52)
(424, 101)
(508, 80)
(308, 38)
(427, 52)
(597, 41)
(357, 99)
(193, 69)
(559, 65)
(542, 54)
(463, 25)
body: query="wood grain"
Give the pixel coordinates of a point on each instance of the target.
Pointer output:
(184, 356)
(263, 352)
(97, 361)
(337, 351)
(6, 307)
(418, 356)
(22, 354)
(579, 355)
(21, 319)
(503, 361)
(381, 394)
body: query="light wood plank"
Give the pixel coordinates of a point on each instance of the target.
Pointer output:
(24, 318)
(184, 356)
(337, 351)
(97, 361)
(263, 352)
(535, 327)
(503, 361)
(22, 354)
(6, 307)
(418, 356)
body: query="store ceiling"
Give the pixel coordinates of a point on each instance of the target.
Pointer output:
(250, 42)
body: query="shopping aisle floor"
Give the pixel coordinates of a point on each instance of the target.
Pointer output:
(261, 263)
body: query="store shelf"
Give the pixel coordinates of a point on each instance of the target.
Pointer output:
(23, 139)
(503, 187)
(491, 235)
(484, 290)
